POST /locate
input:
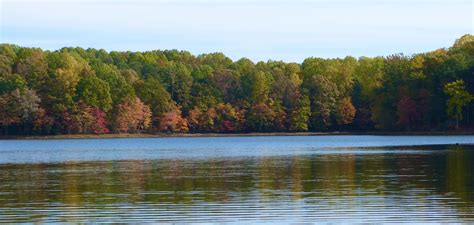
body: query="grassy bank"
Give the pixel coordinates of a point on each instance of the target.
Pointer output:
(163, 135)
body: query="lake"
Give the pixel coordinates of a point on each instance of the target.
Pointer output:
(278, 179)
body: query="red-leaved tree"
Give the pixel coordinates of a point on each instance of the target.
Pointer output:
(132, 116)
(172, 121)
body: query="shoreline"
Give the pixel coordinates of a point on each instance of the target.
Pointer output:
(163, 135)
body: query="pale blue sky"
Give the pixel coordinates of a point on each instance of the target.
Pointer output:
(257, 29)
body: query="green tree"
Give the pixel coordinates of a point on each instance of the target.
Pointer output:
(32, 65)
(178, 80)
(458, 98)
(299, 117)
(11, 82)
(215, 60)
(120, 89)
(66, 70)
(261, 87)
(202, 73)
(153, 94)
(94, 92)
(324, 96)
(227, 82)
(7, 59)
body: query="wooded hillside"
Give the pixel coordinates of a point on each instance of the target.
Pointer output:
(75, 90)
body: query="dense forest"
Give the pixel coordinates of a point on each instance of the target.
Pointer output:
(82, 91)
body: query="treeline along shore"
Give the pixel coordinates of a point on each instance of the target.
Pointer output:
(117, 94)
(241, 134)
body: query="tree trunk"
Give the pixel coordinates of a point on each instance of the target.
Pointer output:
(457, 122)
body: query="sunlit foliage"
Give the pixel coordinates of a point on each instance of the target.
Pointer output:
(75, 90)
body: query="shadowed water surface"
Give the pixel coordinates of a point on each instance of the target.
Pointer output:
(235, 179)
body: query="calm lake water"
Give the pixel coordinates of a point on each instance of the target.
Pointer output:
(239, 179)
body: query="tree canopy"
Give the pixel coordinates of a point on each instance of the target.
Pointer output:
(76, 90)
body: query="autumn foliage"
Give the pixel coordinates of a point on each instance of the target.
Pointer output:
(90, 91)
(345, 111)
(132, 116)
(173, 122)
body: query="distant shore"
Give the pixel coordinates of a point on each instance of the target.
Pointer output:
(164, 135)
